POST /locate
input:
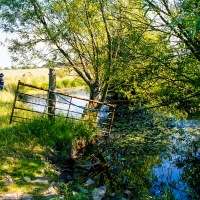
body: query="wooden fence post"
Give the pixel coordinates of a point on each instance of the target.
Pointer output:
(52, 96)
(13, 108)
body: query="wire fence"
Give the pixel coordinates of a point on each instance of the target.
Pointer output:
(27, 106)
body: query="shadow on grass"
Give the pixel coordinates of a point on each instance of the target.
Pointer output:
(26, 147)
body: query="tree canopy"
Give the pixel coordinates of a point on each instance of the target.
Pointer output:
(86, 34)
(146, 50)
(179, 21)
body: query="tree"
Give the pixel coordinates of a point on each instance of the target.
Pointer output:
(180, 19)
(176, 68)
(87, 34)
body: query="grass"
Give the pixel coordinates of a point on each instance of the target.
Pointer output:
(17, 151)
(24, 148)
(39, 77)
(26, 72)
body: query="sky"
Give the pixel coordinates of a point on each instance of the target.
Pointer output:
(5, 59)
(5, 56)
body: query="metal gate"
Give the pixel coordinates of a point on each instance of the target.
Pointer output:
(27, 106)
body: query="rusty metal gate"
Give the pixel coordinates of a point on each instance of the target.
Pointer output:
(27, 107)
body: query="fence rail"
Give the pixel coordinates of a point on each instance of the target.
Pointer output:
(66, 106)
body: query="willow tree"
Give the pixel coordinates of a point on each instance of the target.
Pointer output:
(178, 71)
(181, 19)
(87, 34)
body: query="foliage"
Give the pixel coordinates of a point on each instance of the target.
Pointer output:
(177, 73)
(88, 35)
(180, 20)
(148, 55)
(162, 81)
(159, 74)
(62, 73)
(68, 191)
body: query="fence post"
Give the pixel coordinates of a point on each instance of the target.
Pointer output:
(52, 96)
(13, 108)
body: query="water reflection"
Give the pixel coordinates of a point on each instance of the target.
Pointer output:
(168, 176)
(160, 166)
(76, 105)
(160, 163)
(169, 180)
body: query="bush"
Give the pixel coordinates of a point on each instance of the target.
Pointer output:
(77, 83)
(62, 73)
(66, 82)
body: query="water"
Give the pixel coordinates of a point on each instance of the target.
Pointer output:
(173, 172)
(169, 174)
(73, 107)
(169, 178)
(158, 165)
(77, 104)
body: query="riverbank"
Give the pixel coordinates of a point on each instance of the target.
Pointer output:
(144, 158)
(30, 154)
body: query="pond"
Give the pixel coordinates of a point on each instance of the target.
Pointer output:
(76, 108)
(155, 162)
(176, 173)
(151, 161)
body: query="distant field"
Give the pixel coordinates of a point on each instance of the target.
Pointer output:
(21, 72)
(40, 77)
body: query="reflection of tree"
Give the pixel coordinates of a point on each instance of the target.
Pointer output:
(145, 145)
(134, 154)
(192, 177)
(139, 145)
(189, 161)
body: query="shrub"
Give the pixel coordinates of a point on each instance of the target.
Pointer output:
(77, 83)
(66, 82)
(61, 73)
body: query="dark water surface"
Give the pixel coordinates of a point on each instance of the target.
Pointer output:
(158, 166)
(171, 172)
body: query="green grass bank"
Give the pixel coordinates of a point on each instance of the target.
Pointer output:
(25, 148)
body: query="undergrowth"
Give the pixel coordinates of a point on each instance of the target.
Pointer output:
(25, 147)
